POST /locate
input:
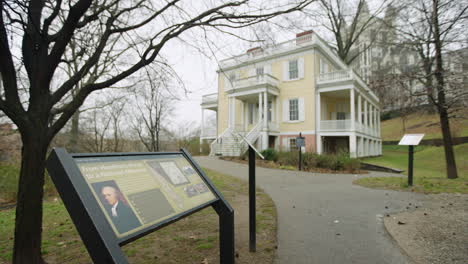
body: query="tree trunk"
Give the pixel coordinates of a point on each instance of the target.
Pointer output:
(28, 224)
(442, 104)
(448, 146)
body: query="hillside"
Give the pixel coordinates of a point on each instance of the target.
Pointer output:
(423, 123)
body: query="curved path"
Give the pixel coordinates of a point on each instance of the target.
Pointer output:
(324, 218)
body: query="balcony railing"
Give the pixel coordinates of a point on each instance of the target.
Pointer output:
(263, 79)
(345, 125)
(334, 76)
(334, 125)
(269, 50)
(210, 98)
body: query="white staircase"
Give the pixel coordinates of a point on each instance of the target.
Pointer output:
(230, 142)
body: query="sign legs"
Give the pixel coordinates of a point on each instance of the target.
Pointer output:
(252, 220)
(410, 165)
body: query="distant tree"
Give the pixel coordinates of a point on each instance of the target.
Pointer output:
(432, 28)
(154, 104)
(34, 41)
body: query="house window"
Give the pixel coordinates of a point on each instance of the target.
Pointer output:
(292, 144)
(293, 70)
(323, 66)
(293, 109)
(260, 71)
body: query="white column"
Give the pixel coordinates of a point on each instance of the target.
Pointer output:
(366, 120)
(371, 118)
(260, 106)
(319, 144)
(229, 112)
(234, 112)
(353, 114)
(352, 145)
(361, 147)
(318, 117)
(359, 110)
(265, 110)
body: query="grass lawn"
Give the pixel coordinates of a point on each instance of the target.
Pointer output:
(193, 239)
(429, 170)
(423, 123)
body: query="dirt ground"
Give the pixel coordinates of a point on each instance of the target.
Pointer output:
(435, 231)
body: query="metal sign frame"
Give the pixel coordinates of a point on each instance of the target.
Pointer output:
(97, 234)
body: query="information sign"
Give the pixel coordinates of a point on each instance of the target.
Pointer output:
(116, 198)
(135, 192)
(411, 139)
(300, 142)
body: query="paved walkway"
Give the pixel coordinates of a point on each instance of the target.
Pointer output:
(324, 218)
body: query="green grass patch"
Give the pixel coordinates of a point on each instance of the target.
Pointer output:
(421, 122)
(429, 172)
(9, 176)
(193, 239)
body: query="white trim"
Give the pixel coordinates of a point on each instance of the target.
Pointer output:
(335, 88)
(254, 91)
(310, 132)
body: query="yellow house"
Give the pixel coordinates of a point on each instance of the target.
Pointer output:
(271, 94)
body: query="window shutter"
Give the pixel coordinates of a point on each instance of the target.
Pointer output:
(285, 110)
(285, 70)
(268, 69)
(301, 109)
(300, 65)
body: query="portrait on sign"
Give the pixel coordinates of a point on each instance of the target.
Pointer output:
(116, 206)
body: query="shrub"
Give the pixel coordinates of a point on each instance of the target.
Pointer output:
(288, 158)
(270, 154)
(328, 162)
(309, 160)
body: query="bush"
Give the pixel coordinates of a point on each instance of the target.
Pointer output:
(288, 158)
(309, 160)
(270, 154)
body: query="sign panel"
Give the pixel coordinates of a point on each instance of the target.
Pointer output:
(300, 142)
(136, 192)
(116, 198)
(411, 139)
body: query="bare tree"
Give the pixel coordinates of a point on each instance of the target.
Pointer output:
(154, 104)
(432, 27)
(347, 21)
(33, 43)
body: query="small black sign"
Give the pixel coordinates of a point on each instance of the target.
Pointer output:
(300, 142)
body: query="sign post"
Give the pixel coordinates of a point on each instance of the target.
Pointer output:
(410, 140)
(252, 206)
(300, 142)
(116, 198)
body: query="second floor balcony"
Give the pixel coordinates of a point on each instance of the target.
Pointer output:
(210, 101)
(257, 81)
(343, 76)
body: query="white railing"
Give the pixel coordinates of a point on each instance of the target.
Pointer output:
(263, 79)
(333, 125)
(208, 132)
(254, 132)
(210, 98)
(269, 50)
(334, 76)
